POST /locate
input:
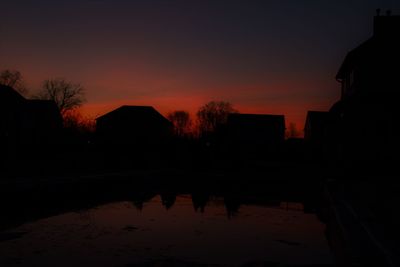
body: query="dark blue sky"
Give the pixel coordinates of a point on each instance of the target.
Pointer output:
(263, 56)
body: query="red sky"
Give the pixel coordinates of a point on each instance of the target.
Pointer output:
(275, 57)
(282, 98)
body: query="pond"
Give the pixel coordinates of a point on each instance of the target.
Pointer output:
(172, 230)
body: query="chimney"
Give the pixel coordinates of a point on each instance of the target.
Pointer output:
(386, 26)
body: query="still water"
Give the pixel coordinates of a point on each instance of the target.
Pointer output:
(174, 231)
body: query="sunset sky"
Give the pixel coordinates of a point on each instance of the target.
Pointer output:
(277, 57)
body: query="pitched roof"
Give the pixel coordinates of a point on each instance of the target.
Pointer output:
(355, 55)
(384, 42)
(7, 92)
(136, 113)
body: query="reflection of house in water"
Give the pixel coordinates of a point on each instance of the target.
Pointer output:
(27, 125)
(232, 201)
(365, 120)
(260, 135)
(315, 133)
(133, 125)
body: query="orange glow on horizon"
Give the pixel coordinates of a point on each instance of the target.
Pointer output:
(292, 97)
(293, 113)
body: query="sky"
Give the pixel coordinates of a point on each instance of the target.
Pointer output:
(265, 57)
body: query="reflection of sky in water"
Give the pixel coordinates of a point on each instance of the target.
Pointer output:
(118, 234)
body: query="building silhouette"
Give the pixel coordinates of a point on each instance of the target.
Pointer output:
(365, 125)
(259, 135)
(133, 125)
(315, 134)
(45, 121)
(134, 136)
(27, 126)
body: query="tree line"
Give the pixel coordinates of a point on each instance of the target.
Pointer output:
(69, 97)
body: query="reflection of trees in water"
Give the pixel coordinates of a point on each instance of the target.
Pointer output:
(200, 200)
(230, 200)
(138, 204)
(19, 205)
(168, 200)
(140, 199)
(232, 205)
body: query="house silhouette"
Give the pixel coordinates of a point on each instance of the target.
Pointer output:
(365, 119)
(368, 70)
(27, 126)
(45, 121)
(140, 126)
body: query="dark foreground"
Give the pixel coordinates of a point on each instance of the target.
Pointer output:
(162, 218)
(179, 230)
(181, 218)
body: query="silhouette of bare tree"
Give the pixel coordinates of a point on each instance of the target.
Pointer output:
(212, 115)
(14, 79)
(292, 131)
(74, 120)
(67, 95)
(181, 121)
